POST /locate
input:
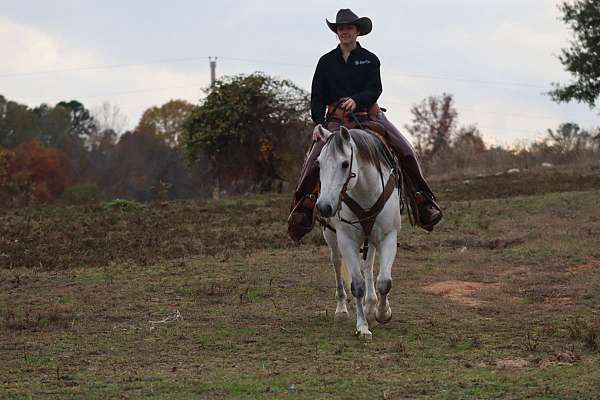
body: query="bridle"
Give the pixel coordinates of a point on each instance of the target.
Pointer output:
(366, 218)
(351, 175)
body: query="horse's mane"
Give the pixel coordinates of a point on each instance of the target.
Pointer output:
(368, 145)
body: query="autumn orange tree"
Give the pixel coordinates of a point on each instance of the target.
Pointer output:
(32, 173)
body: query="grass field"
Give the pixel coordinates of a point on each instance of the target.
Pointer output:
(210, 300)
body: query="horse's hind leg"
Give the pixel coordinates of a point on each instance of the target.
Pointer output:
(341, 311)
(387, 254)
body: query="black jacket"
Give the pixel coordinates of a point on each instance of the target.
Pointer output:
(358, 78)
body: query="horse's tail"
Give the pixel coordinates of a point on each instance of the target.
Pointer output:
(346, 276)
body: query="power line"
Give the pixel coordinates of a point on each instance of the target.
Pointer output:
(265, 62)
(100, 67)
(269, 62)
(200, 84)
(418, 76)
(128, 92)
(478, 81)
(519, 115)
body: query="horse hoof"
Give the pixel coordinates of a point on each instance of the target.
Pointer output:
(384, 319)
(364, 335)
(340, 316)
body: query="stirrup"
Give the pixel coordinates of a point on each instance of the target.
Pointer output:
(423, 199)
(301, 223)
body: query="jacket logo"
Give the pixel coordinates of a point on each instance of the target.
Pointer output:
(357, 62)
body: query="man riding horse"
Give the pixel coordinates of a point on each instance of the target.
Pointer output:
(345, 89)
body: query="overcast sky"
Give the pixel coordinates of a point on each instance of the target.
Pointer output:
(497, 57)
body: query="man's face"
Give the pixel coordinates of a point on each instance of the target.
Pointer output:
(347, 33)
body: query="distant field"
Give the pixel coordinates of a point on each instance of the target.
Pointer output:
(210, 300)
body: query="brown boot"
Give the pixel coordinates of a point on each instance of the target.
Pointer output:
(429, 213)
(302, 212)
(302, 218)
(423, 208)
(426, 212)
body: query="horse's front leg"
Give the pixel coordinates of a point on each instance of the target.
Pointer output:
(371, 294)
(341, 311)
(387, 254)
(349, 250)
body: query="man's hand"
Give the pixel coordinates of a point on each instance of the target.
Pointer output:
(315, 134)
(348, 105)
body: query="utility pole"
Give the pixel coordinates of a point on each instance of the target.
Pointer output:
(216, 189)
(213, 70)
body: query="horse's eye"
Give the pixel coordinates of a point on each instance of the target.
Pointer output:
(345, 164)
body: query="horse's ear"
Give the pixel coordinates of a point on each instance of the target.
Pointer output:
(324, 133)
(345, 133)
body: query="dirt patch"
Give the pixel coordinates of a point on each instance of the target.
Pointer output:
(585, 267)
(516, 362)
(514, 273)
(566, 358)
(460, 291)
(476, 243)
(560, 301)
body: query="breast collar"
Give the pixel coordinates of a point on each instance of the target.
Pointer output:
(366, 218)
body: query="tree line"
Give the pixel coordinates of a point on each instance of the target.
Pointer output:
(447, 148)
(249, 134)
(246, 135)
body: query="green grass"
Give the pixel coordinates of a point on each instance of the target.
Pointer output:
(75, 315)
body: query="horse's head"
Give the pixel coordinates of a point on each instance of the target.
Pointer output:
(338, 169)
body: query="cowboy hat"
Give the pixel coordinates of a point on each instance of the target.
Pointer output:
(345, 16)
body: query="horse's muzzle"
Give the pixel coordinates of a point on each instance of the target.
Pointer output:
(325, 209)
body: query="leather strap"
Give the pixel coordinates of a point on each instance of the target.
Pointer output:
(367, 217)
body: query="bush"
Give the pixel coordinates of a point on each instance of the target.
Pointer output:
(123, 205)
